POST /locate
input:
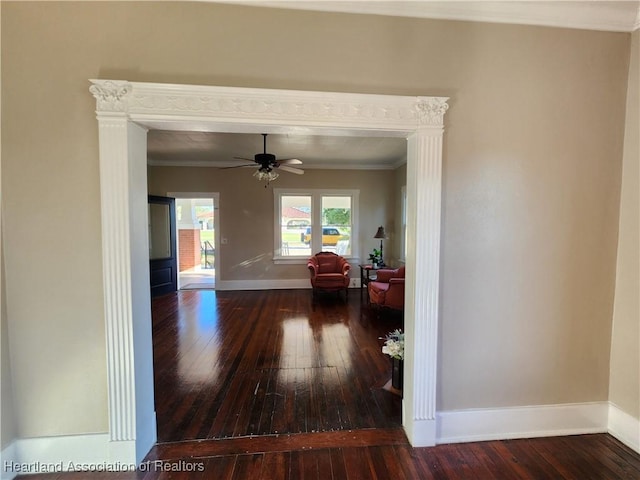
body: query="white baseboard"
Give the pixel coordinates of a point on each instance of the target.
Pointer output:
(90, 448)
(422, 433)
(68, 452)
(8, 454)
(624, 427)
(270, 284)
(521, 422)
(262, 284)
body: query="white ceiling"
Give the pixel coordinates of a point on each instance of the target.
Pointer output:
(218, 149)
(315, 151)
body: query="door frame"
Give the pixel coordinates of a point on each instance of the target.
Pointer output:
(215, 196)
(126, 110)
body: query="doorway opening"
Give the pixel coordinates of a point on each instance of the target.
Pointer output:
(126, 111)
(197, 232)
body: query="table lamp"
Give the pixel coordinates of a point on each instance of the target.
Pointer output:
(381, 235)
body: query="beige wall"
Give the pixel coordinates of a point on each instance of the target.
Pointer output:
(624, 383)
(247, 215)
(7, 427)
(400, 180)
(533, 152)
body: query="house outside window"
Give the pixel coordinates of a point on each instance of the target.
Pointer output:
(310, 221)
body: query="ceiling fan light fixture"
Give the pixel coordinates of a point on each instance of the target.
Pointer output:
(265, 174)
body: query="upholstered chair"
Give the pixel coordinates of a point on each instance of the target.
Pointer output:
(387, 290)
(329, 272)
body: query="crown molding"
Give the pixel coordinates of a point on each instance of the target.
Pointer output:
(307, 166)
(583, 14)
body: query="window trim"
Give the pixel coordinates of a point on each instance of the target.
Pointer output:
(403, 226)
(316, 195)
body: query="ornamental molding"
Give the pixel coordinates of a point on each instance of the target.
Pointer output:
(247, 106)
(111, 95)
(144, 102)
(430, 111)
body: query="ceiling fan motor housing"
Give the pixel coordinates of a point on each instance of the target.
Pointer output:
(265, 159)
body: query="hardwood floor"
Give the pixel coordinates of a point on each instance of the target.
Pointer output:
(262, 385)
(380, 454)
(231, 364)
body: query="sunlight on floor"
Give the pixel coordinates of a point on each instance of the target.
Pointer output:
(198, 278)
(300, 341)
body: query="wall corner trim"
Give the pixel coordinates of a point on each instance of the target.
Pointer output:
(624, 427)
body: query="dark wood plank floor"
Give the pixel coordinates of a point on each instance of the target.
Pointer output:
(231, 364)
(380, 454)
(261, 385)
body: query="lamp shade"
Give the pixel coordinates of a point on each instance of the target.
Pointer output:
(380, 233)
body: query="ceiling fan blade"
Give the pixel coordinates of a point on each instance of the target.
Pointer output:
(239, 166)
(290, 161)
(246, 159)
(297, 171)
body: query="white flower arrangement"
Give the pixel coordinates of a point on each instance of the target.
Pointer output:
(394, 345)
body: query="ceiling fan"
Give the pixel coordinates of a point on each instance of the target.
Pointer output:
(267, 164)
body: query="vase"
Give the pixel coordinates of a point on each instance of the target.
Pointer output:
(397, 373)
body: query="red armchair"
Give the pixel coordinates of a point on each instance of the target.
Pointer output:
(388, 288)
(329, 272)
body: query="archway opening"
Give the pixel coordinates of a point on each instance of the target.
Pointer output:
(126, 110)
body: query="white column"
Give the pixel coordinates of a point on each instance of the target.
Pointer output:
(116, 264)
(189, 219)
(424, 184)
(125, 275)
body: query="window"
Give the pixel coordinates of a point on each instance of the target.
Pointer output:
(298, 212)
(292, 209)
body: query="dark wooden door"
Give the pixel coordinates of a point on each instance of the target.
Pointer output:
(162, 245)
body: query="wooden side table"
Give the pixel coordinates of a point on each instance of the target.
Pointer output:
(367, 274)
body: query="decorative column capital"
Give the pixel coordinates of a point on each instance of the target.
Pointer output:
(430, 111)
(111, 95)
